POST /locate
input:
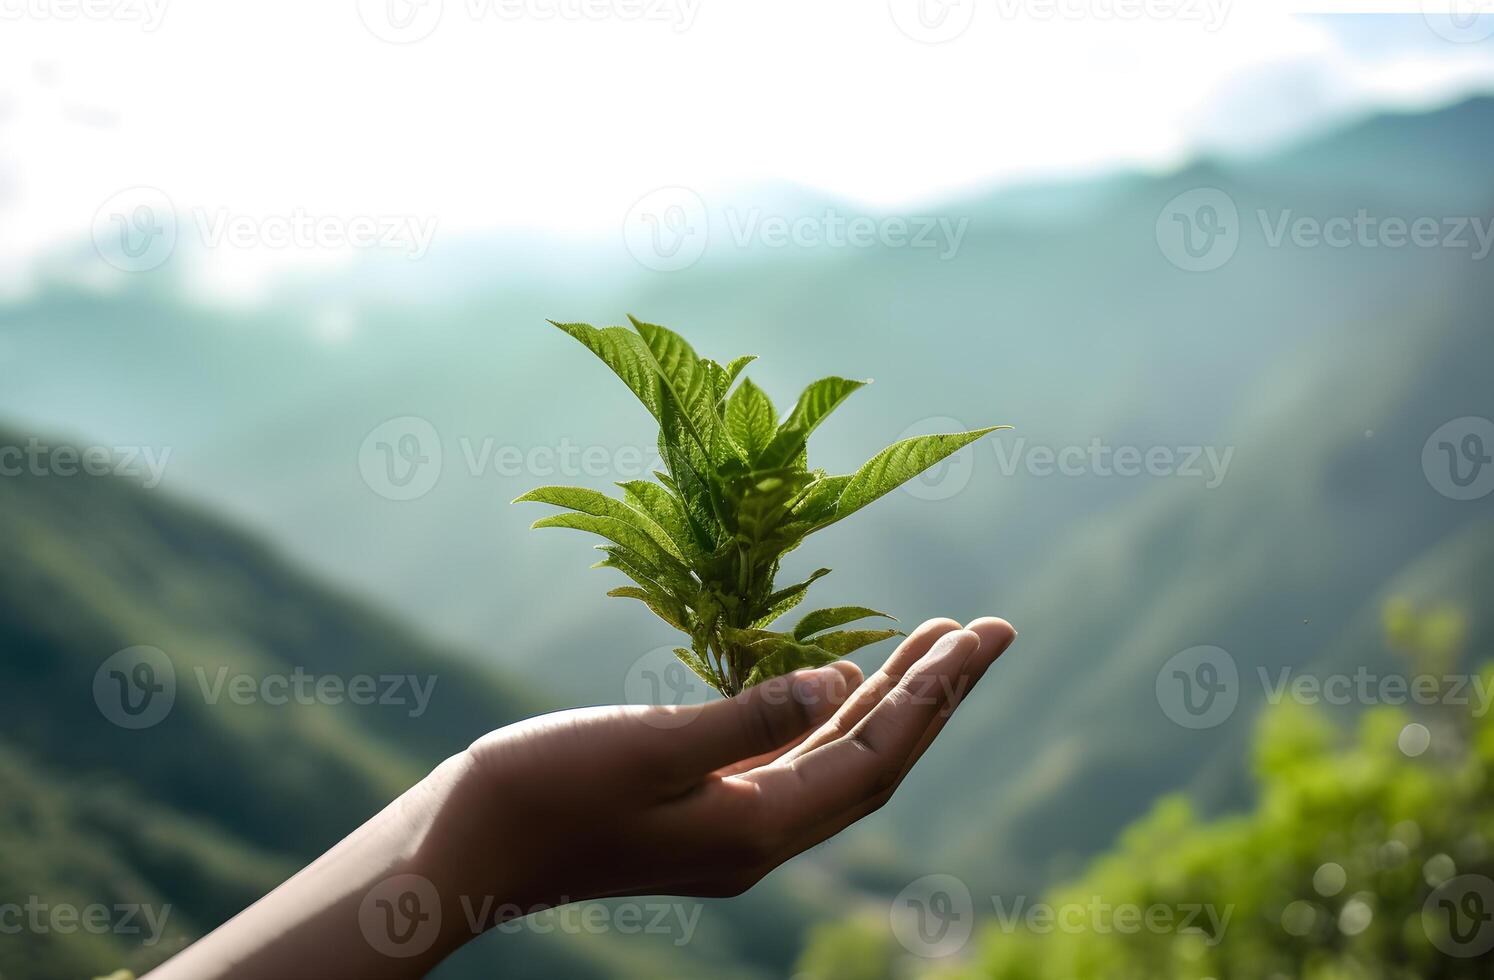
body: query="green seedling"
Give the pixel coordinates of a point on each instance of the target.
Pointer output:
(702, 546)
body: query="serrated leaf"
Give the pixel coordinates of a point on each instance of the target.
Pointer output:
(687, 380)
(702, 669)
(899, 463)
(783, 600)
(616, 530)
(750, 419)
(666, 510)
(628, 356)
(818, 400)
(735, 365)
(819, 499)
(666, 609)
(849, 641)
(815, 403)
(784, 656)
(823, 619)
(598, 504)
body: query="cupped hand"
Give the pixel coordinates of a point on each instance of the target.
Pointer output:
(705, 800)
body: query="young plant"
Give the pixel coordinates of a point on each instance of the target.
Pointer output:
(702, 546)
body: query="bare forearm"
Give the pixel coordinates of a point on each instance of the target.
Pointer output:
(373, 905)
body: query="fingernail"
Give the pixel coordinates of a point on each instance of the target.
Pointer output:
(957, 646)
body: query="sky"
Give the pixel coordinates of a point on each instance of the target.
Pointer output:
(560, 115)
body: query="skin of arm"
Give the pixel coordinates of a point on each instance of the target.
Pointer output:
(699, 800)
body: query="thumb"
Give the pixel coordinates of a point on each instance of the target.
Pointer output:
(764, 718)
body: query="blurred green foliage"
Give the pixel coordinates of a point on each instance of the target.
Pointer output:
(1327, 878)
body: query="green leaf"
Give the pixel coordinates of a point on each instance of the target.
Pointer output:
(820, 498)
(784, 656)
(899, 463)
(823, 619)
(628, 356)
(815, 403)
(736, 493)
(616, 530)
(600, 505)
(665, 608)
(783, 600)
(818, 400)
(735, 365)
(702, 669)
(750, 419)
(849, 641)
(687, 380)
(665, 509)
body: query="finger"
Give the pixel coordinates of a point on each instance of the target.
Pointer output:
(760, 720)
(996, 636)
(854, 680)
(867, 762)
(866, 697)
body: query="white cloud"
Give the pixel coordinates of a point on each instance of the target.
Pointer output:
(562, 121)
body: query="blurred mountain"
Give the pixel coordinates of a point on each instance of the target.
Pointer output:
(1315, 374)
(199, 814)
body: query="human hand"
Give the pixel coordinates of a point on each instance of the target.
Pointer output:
(704, 800)
(700, 800)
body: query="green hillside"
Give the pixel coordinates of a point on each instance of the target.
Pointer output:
(201, 813)
(1321, 370)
